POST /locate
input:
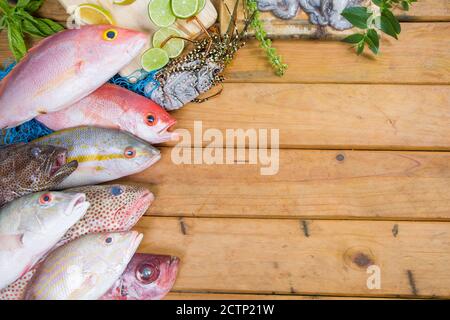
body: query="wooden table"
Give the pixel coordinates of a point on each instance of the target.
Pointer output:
(364, 173)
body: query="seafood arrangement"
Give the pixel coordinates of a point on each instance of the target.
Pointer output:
(62, 236)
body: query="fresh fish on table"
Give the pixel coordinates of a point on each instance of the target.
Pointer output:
(65, 68)
(102, 154)
(31, 226)
(114, 107)
(28, 168)
(147, 277)
(114, 208)
(85, 268)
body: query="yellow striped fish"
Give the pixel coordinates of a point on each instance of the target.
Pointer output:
(102, 154)
(84, 269)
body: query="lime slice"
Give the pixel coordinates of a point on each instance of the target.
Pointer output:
(89, 13)
(161, 13)
(184, 8)
(201, 5)
(154, 59)
(123, 2)
(174, 47)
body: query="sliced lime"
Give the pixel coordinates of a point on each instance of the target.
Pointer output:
(201, 5)
(123, 2)
(154, 59)
(184, 8)
(174, 47)
(161, 13)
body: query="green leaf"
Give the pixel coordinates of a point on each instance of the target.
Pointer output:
(378, 3)
(393, 20)
(34, 5)
(357, 16)
(5, 7)
(387, 27)
(22, 3)
(354, 38)
(15, 40)
(373, 41)
(360, 48)
(405, 5)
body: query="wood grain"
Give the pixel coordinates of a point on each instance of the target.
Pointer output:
(274, 256)
(237, 296)
(423, 11)
(419, 57)
(309, 184)
(330, 116)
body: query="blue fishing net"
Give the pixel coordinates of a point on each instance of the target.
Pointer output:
(33, 129)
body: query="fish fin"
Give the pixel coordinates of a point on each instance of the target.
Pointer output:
(11, 242)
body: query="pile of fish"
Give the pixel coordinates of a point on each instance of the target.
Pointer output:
(60, 243)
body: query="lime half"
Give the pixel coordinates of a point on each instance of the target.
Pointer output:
(184, 8)
(93, 14)
(174, 47)
(154, 59)
(161, 13)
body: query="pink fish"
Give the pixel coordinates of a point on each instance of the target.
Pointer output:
(114, 208)
(147, 277)
(65, 68)
(117, 108)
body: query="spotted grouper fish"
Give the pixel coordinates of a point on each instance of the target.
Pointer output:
(147, 277)
(84, 269)
(114, 107)
(65, 68)
(114, 208)
(102, 154)
(28, 168)
(31, 226)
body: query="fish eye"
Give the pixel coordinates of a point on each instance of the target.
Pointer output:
(110, 34)
(46, 198)
(130, 153)
(116, 191)
(147, 273)
(108, 240)
(36, 152)
(151, 119)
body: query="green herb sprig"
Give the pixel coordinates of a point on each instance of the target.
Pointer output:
(370, 21)
(18, 21)
(265, 43)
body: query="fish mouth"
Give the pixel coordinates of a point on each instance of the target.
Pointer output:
(137, 239)
(59, 165)
(139, 208)
(167, 133)
(78, 205)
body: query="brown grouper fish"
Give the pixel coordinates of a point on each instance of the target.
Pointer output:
(28, 168)
(147, 277)
(64, 68)
(113, 208)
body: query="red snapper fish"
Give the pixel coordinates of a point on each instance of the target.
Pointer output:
(114, 107)
(114, 208)
(64, 68)
(147, 277)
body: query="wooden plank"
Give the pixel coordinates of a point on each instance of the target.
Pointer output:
(330, 116)
(275, 256)
(420, 57)
(423, 11)
(236, 296)
(309, 184)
